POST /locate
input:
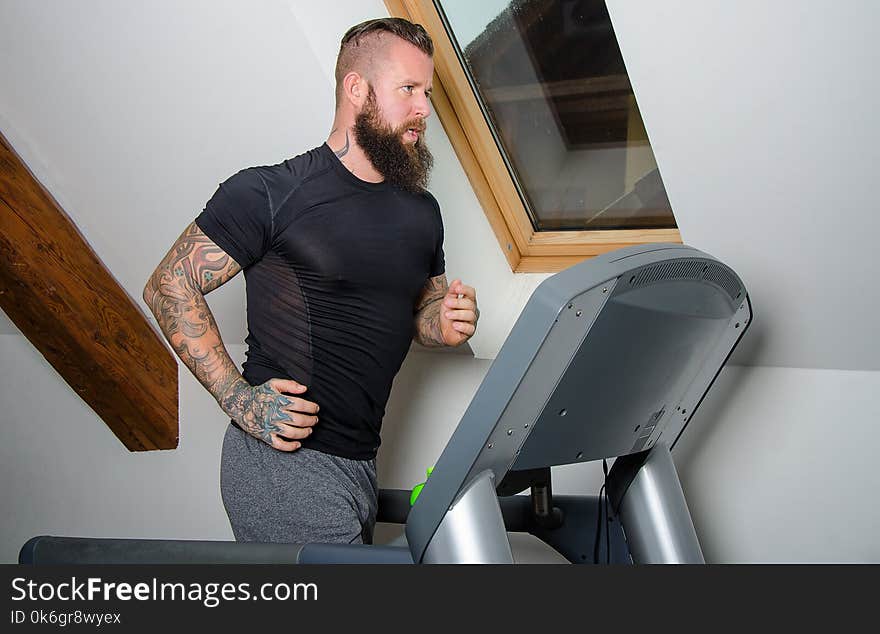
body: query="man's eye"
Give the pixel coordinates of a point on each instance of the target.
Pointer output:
(408, 88)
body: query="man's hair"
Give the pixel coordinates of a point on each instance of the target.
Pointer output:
(362, 42)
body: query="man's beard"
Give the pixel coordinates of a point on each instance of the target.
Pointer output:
(402, 164)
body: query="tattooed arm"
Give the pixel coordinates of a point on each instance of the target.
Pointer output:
(175, 294)
(427, 324)
(446, 315)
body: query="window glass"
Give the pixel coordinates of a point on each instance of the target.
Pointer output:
(550, 80)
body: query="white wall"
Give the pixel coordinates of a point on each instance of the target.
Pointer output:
(763, 120)
(779, 465)
(131, 119)
(776, 464)
(762, 117)
(65, 473)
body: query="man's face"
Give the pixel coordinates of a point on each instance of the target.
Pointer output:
(391, 123)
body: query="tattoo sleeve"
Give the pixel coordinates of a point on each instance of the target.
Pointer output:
(427, 317)
(175, 294)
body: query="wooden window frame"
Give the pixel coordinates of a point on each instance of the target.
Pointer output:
(526, 250)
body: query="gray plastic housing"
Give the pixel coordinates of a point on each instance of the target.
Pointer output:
(606, 359)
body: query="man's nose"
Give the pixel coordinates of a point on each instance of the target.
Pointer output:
(422, 107)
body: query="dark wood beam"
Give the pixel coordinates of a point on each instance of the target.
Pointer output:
(64, 300)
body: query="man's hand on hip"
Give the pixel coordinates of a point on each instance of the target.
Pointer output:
(271, 412)
(458, 314)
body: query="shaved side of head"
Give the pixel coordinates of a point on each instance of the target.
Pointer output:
(365, 45)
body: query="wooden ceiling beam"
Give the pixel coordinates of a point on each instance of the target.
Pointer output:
(64, 300)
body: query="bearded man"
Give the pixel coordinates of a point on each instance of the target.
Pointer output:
(342, 253)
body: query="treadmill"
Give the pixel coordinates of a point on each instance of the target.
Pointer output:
(609, 360)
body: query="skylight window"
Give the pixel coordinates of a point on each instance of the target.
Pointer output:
(539, 107)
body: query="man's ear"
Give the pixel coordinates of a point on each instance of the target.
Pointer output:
(355, 89)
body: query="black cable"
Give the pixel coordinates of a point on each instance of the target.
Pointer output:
(607, 531)
(607, 515)
(603, 506)
(598, 526)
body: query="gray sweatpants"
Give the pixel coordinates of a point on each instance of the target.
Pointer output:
(296, 497)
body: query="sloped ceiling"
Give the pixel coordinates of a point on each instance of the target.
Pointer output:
(763, 117)
(131, 114)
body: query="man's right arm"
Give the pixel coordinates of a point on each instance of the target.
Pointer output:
(175, 293)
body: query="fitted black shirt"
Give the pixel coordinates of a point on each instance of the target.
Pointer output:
(333, 267)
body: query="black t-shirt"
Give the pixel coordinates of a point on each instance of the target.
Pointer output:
(333, 267)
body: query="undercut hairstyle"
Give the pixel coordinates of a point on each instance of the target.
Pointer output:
(363, 43)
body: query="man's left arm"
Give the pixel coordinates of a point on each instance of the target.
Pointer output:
(446, 314)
